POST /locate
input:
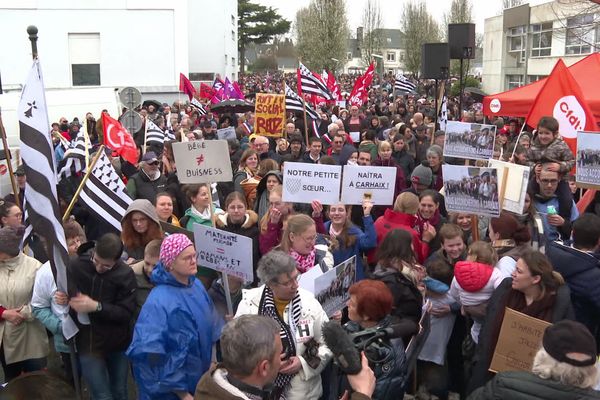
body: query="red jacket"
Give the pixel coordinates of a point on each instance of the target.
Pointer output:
(395, 220)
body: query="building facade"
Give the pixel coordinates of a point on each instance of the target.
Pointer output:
(524, 43)
(390, 56)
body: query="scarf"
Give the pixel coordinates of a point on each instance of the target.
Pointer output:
(303, 263)
(204, 214)
(420, 222)
(266, 307)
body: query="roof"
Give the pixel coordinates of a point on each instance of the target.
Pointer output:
(352, 47)
(392, 38)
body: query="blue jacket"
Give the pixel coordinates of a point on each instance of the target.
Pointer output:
(173, 337)
(365, 241)
(581, 271)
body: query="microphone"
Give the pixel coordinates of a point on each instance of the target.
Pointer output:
(340, 344)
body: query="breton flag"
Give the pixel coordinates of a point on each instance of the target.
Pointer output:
(198, 106)
(154, 135)
(104, 193)
(42, 209)
(74, 160)
(404, 85)
(294, 102)
(444, 114)
(309, 83)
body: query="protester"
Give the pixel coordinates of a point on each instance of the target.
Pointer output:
(143, 273)
(403, 158)
(429, 215)
(534, 289)
(140, 225)
(510, 239)
(385, 159)
(164, 208)
(24, 344)
(177, 327)
(300, 319)
(202, 211)
(435, 157)
(266, 184)
(149, 181)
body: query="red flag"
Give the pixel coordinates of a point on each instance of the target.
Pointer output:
(206, 92)
(118, 139)
(367, 79)
(333, 87)
(186, 86)
(357, 95)
(561, 98)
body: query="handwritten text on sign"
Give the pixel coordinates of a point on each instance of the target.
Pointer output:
(202, 161)
(224, 251)
(519, 340)
(269, 114)
(376, 183)
(303, 183)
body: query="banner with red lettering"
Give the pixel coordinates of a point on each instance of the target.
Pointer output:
(333, 86)
(561, 98)
(269, 114)
(358, 91)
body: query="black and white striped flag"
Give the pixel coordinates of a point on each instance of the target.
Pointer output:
(154, 135)
(309, 83)
(404, 85)
(43, 211)
(444, 114)
(170, 135)
(198, 106)
(74, 159)
(104, 193)
(293, 102)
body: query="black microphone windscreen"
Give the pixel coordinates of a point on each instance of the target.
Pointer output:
(340, 344)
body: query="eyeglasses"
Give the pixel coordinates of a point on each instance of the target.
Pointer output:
(153, 163)
(102, 265)
(290, 282)
(549, 182)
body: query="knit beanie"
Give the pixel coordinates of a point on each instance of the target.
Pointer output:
(172, 246)
(10, 240)
(422, 174)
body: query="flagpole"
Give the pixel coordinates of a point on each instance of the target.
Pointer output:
(146, 132)
(83, 181)
(86, 141)
(305, 124)
(13, 181)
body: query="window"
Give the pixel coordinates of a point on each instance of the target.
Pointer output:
(233, 20)
(391, 56)
(401, 56)
(201, 76)
(84, 58)
(516, 39)
(233, 35)
(581, 34)
(233, 61)
(349, 55)
(389, 40)
(533, 78)
(541, 39)
(514, 81)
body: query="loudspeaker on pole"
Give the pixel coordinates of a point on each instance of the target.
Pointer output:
(435, 60)
(461, 38)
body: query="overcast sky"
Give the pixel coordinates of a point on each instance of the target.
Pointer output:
(392, 10)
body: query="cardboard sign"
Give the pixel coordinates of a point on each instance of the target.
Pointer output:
(269, 114)
(513, 180)
(331, 288)
(226, 133)
(223, 251)
(467, 140)
(202, 161)
(303, 183)
(378, 183)
(588, 160)
(471, 190)
(518, 342)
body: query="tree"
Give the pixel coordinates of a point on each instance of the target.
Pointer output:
(322, 33)
(585, 14)
(257, 24)
(470, 81)
(371, 40)
(419, 27)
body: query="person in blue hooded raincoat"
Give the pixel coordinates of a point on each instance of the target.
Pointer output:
(176, 329)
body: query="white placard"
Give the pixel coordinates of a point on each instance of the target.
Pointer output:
(307, 279)
(223, 251)
(202, 161)
(588, 159)
(515, 188)
(331, 288)
(471, 190)
(377, 182)
(303, 183)
(469, 140)
(226, 133)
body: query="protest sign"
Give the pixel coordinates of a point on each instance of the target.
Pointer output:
(307, 279)
(512, 182)
(518, 342)
(303, 183)
(226, 133)
(375, 183)
(171, 229)
(467, 140)
(588, 160)
(471, 190)
(269, 114)
(202, 161)
(224, 251)
(331, 288)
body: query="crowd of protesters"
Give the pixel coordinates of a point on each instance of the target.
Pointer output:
(143, 303)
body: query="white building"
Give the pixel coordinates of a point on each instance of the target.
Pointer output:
(392, 52)
(116, 43)
(523, 44)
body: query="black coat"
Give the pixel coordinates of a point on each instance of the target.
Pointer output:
(521, 385)
(485, 347)
(110, 329)
(581, 271)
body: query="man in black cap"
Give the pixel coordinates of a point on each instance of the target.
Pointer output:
(563, 368)
(149, 181)
(21, 181)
